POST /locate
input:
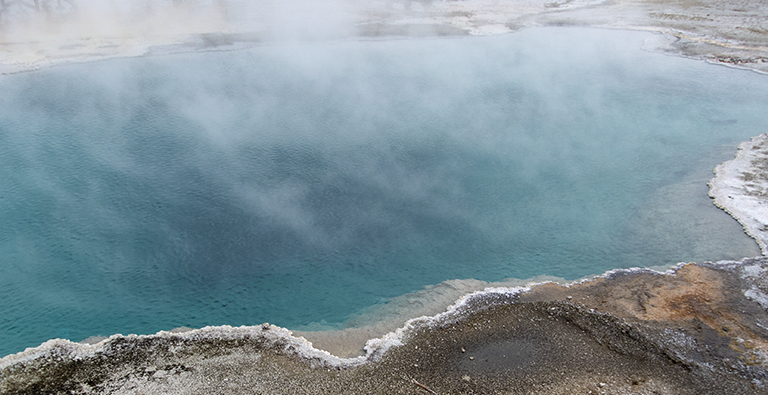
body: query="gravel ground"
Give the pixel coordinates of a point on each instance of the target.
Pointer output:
(690, 331)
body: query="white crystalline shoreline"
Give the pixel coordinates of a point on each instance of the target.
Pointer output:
(284, 341)
(198, 361)
(273, 336)
(740, 187)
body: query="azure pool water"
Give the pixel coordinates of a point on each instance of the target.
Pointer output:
(302, 183)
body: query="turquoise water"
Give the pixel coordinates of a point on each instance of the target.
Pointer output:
(301, 183)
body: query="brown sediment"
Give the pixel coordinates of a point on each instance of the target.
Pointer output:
(704, 300)
(378, 321)
(688, 331)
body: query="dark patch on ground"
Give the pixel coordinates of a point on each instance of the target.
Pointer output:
(689, 333)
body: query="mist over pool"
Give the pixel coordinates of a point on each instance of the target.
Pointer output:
(303, 183)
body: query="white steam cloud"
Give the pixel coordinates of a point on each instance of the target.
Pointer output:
(39, 33)
(35, 20)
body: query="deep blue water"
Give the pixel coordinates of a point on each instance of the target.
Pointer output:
(300, 183)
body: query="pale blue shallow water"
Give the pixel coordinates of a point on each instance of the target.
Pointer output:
(302, 183)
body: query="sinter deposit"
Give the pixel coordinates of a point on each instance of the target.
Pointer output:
(741, 188)
(694, 329)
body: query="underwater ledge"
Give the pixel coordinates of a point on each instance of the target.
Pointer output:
(698, 327)
(695, 328)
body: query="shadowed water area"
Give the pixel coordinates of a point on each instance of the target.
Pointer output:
(302, 183)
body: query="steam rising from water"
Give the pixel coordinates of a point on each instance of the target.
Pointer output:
(158, 20)
(301, 183)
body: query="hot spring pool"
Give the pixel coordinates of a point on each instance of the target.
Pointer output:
(302, 183)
